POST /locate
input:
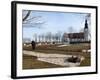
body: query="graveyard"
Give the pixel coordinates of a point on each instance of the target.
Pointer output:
(32, 60)
(47, 44)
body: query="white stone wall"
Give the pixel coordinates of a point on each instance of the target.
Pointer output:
(86, 34)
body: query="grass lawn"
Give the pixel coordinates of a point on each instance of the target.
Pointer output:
(71, 48)
(74, 49)
(86, 62)
(31, 62)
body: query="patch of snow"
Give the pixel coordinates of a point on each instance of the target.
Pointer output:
(84, 50)
(58, 59)
(63, 45)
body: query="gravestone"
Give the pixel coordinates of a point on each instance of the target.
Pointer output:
(33, 45)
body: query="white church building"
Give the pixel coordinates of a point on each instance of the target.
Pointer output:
(77, 37)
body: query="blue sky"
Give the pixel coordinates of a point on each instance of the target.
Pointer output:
(52, 22)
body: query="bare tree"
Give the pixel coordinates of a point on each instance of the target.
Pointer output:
(31, 20)
(35, 37)
(42, 36)
(71, 29)
(39, 36)
(88, 17)
(48, 36)
(81, 30)
(56, 37)
(53, 37)
(26, 16)
(59, 36)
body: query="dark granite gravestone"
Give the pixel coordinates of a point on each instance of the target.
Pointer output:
(33, 45)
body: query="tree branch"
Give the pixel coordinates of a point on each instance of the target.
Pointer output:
(26, 15)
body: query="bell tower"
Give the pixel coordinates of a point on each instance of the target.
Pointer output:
(86, 31)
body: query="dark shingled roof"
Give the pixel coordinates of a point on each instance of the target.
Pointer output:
(74, 35)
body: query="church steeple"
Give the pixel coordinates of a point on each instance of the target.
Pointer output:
(86, 31)
(86, 24)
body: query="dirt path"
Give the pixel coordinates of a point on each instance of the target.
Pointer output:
(58, 59)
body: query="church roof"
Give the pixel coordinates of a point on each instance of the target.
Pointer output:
(74, 35)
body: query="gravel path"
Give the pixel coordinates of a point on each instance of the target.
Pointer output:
(58, 59)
